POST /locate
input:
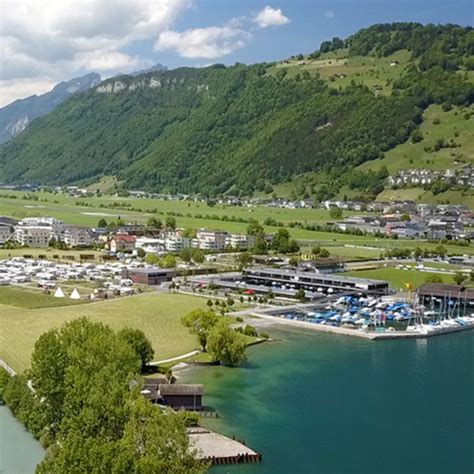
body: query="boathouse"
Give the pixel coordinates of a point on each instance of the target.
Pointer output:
(442, 291)
(182, 396)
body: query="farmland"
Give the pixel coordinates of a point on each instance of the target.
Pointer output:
(157, 315)
(192, 214)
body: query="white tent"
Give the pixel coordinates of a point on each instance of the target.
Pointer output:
(59, 293)
(75, 295)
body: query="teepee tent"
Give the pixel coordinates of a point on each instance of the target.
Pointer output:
(59, 293)
(75, 295)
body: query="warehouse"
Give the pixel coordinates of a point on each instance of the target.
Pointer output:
(150, 275)
(313, 281)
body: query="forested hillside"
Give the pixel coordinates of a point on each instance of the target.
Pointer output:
(229, 129)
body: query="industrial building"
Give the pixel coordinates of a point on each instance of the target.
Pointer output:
(287, 282)
(313, 281)
(150, 275)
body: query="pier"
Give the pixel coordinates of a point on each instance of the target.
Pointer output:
(372, 335)
(217, 449)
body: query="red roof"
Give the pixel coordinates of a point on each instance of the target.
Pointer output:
(124, 238)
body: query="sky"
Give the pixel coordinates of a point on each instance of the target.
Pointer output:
(43, 42)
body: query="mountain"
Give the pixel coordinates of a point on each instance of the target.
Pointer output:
(243, 128)
(155, 68)
(15, 117)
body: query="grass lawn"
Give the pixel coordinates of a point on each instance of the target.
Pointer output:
(157, 315)
(29, 298)
(413, 155)
(398, 277)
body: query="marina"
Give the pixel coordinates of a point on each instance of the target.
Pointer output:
(384, 317)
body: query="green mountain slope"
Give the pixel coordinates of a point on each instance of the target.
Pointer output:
(230, 129)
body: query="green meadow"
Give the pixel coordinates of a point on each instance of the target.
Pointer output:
(157, 315)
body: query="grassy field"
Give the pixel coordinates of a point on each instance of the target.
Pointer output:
(413, 155)
(28, 298)
(339, 70)
(65, 208)
(398, 277)
(158, 315)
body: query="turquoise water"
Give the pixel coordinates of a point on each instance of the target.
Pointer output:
(319, 403)
(19, 451)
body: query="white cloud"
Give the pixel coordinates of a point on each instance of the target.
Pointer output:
(51, 40)
(270, 16)
(21, 88)
(209, 43)
(330, 14)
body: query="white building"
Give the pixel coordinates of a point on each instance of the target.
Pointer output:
(177, 243)
(34, 236)
(77, 236)
(6, 233)
(211, 240)
(240, 241)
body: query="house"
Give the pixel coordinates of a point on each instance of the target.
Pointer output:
(182, 396)
(211, 240)
(151, 387)
(34, 236)
(6, 233)
(241, 241)
(77, 236)
(149, 275)
(122, 243)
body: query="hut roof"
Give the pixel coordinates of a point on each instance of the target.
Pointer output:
(181, 389)
(442, 290)
(158, 379)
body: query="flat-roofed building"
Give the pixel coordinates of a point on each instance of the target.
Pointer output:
(241, 241)
(150, 275)
(312, 281)
(77, 236)
(34, 236)
(6, 233)
(211, 240)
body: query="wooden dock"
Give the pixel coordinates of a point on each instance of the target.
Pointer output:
(217, 449)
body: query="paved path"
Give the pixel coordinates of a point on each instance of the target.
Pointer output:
(184, 356)
(9, 369)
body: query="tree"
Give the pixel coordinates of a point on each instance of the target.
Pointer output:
(151, 259)
(244, 260)
(102, 224)
(301, 295)
(255, 229)
(459, 278)
(145, 446)
(197, 255)
(324, 253)
(200, 323)
(154, 223)
(335, 213)
(185, 255)
(168, 261)
(139, 343)
(170, 222)
(141, 253)
(293, 261)
(416, 136)
(226, 345)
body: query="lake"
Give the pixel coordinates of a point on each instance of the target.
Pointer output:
(322, 403)
(19, 451)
